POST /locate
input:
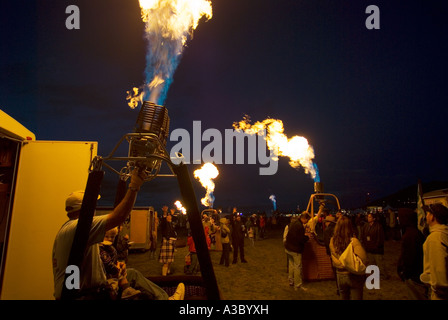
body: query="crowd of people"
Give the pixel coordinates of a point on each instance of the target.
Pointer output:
(421, 264)
(422, 261)
(226, 233)
(365, 232)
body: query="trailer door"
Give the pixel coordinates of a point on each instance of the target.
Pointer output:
(47, 171)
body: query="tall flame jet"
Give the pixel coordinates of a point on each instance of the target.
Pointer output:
(205, 175)
(297, 149)
(168, 25)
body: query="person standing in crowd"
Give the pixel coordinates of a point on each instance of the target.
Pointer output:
(320, 225)
(262, 225)
(238, 234)
(330, 224)
(294, 246)
(225, 235)
(250, 229)
(350, 285)
(169, 237)
(193, 266)
(207, 229)
(435, 252)
(164, 211)
(285, 234)
(394, 228)
(215, 236)
(359, 222)
(256, 226)
(274, 221)
(338, 214)
(410, 262)
(285, 231)
(373, 242)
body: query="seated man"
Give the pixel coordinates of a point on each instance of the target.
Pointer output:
(93, 281)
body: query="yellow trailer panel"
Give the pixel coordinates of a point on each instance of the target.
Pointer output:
(47, 171)
(13, 129)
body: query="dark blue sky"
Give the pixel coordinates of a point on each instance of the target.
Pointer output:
(372, 103)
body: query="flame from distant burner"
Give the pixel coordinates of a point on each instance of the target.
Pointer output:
(180, 207)
(296, 148)
(274, 201)
(205, 175)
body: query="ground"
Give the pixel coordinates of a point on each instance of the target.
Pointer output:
(265, 276)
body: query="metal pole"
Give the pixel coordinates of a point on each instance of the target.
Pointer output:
(82, 233)
(197, 230)
(121, 192)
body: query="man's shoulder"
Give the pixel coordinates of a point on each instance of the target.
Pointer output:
(438, 234)
(71, 225)
(101, 218)
(68, 225)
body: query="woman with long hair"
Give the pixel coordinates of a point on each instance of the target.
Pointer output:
(349, 284)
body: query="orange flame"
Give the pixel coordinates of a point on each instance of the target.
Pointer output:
(174, 18)
(298, 150)
(180, 207)
(205, 175)
(168, 24)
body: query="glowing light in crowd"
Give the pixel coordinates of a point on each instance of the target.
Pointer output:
(168, 26)
(180, 207)
(205, 175)
(296, 148)
(274, 201)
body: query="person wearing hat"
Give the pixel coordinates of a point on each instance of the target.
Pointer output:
(330, 224)
(92, 276)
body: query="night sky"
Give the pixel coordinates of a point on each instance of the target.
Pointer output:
(372, 103)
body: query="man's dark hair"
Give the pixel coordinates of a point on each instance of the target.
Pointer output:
(305, 215)
(440, 212)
